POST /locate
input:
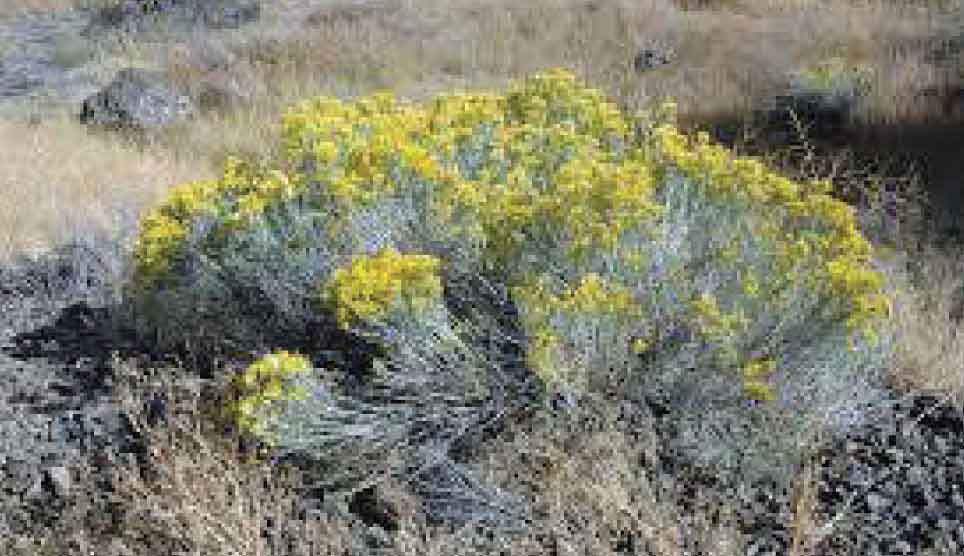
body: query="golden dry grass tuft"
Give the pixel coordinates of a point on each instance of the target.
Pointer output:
(59, 180)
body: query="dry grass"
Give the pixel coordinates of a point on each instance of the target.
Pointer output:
(590, 489)
(728, 61)
(205, 497)
(59, 181)
(932, 349)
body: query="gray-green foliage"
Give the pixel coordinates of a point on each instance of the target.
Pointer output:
(821, 385)
(438, 377)
(261, 282)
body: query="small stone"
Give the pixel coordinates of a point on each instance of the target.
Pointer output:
(876, 502)
(56, 480)
(133, 16)
(650, 58)
(136, 98)
(374, 509)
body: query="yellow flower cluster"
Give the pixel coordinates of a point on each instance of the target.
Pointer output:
(263, 383)
(754, 379)
(711, 322)
(594, 297)
(548, 165)
(371, 287)
(354, 148)
(544, 358)
(722, 330)
(164, 228)
(825, 227)
(556, 95)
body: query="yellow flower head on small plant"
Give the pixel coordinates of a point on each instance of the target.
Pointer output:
(262, 385)
(164, 229)
(640, 345)
(755, 385)
(374, 286)
(594, 295)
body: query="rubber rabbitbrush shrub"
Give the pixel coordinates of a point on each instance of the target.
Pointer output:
(636, 257)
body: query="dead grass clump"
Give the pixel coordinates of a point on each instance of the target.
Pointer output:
(591, 494)
(929, 312)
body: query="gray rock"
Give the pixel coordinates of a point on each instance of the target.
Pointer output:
(57, 415)
(47, 56)
(897, 482)
(139, 99)
(37, 465)
(134, 16)
(53, 481)
(651, 58)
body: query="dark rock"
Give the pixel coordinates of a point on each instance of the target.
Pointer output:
(126, 10)
(372, 508)
(653, 57)
(898, 483)
(57, 414)
(155, 410)
(348, 13)
(81, 339)
(138, 99)
(134, 16)
(230, 15)
(73, 268)
(36, 477)
(80, 325)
